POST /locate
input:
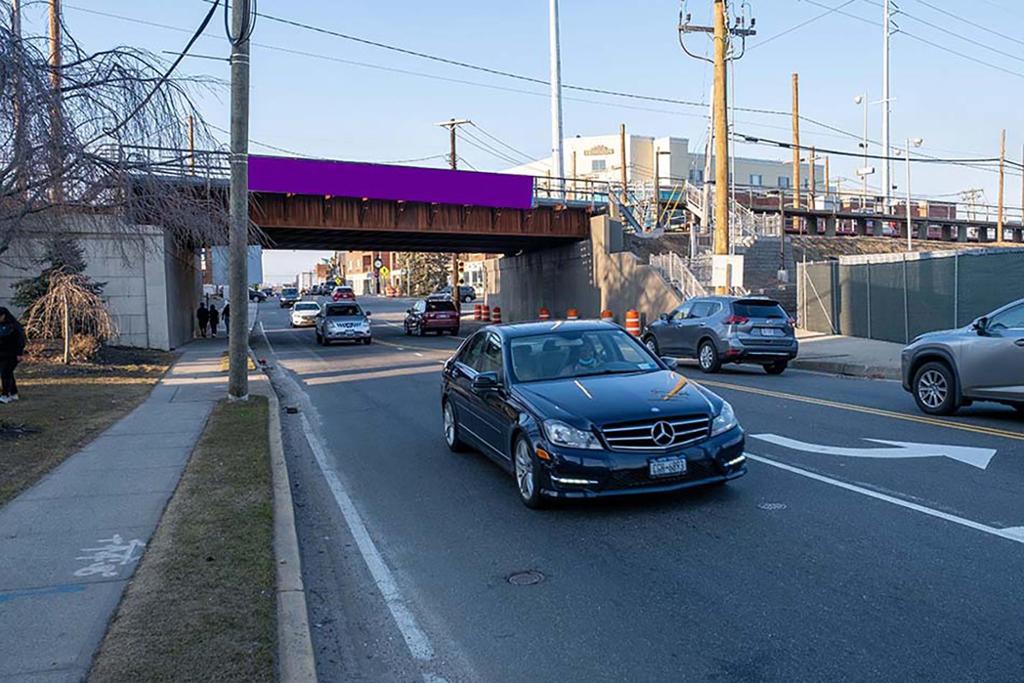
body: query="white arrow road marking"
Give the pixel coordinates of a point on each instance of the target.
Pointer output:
(977, 457)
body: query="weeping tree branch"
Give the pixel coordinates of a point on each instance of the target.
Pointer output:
(94, 140)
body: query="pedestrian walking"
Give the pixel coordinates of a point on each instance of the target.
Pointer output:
(12, 345)
(226, 317)
(203, 318)
(214, 320)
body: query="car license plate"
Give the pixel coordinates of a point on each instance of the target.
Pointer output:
(667, 467)
(771, 332)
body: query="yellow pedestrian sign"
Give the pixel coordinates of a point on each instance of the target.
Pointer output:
(384, 271)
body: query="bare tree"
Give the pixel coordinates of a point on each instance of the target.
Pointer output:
(112, 138)
(70, 306)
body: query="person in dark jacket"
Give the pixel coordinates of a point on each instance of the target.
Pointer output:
(12, 345)
(226, 317)
(214, 320)
(203, 318)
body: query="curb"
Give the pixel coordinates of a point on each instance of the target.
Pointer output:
(848, 369)
(296, 661)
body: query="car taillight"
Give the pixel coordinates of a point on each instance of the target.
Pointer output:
(736, 320)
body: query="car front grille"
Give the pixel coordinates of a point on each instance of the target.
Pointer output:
(661, 434)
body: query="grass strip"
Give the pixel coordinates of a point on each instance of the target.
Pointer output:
(63, 407)
(201, 606)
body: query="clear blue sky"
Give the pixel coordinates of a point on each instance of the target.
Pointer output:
(323, 107)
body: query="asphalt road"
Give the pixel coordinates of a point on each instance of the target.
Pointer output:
(815, 566)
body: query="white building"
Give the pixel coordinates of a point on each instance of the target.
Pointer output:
(600, 157)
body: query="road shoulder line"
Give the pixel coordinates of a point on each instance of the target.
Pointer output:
(1012, 534)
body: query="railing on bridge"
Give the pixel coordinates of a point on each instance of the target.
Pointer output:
(676, 271)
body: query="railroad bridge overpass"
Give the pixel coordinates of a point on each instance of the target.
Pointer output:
(322, 204)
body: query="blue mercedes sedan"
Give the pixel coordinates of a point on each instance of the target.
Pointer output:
(581, 409)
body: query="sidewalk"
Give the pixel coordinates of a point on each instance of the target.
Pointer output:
(848, 355)
(71, 542)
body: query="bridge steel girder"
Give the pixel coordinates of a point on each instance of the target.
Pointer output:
(319, 222)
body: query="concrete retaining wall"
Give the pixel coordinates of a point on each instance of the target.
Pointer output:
(590, 276)
(152, 286)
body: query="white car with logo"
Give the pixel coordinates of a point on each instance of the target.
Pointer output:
(304, 313)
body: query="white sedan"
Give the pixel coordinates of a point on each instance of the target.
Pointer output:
(304, 313)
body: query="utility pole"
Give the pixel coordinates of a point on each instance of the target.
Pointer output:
(886, 163)
(724, 50)
(56, 128)
(827, 184)
(238, 249)
(622, 160)
(556, 100)
(574, 174)
(451, 125)
(796, 143)
(812, 180)
(721, 40)
(1002, 174)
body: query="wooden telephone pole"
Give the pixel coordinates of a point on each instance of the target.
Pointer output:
(452, 125)
(723, 51)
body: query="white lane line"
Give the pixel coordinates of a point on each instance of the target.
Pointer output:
(1011, 533)
(417, 353)
(417, 641)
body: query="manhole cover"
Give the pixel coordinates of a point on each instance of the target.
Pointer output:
(527, 578)
(772, 506)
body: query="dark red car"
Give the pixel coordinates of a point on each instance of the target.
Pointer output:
(343, 293)
(432, 315)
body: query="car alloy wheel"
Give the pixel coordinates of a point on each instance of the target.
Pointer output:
(526, 475)
(932, 389)
(652, 344)
(451, 428)
(707, 357)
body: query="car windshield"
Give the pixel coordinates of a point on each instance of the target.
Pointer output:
(577, 354)
(434, 305)
(310, 306)
(289, 292)
(758, 309)
(339, 310)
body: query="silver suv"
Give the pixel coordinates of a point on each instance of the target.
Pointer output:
(981, 362)
(726, 329)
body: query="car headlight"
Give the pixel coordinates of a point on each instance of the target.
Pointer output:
(724, 421)
(561, 434)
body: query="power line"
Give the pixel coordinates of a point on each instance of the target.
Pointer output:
(801, 25)
(755, 140)
(483, 146)
(950, 32)
(501, 142)
(921, 40)
(967, 21)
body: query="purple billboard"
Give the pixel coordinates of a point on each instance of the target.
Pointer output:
(379, 181)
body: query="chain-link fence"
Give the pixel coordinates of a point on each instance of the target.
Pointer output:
(895, 297)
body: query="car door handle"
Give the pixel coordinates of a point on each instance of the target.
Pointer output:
(1019, 342)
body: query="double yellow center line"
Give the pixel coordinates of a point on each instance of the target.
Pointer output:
(853, 407)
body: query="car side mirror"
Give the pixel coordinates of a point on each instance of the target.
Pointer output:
(485, 381)
(672, 363)
(367, 313)
(409, 311)
(664, 316)
(980, 325)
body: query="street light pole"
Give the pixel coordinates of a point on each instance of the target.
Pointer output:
(886, 163)
(238, 334)
(556, 100)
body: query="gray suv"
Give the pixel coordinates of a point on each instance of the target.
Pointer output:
(981, 362)
(726, 329)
